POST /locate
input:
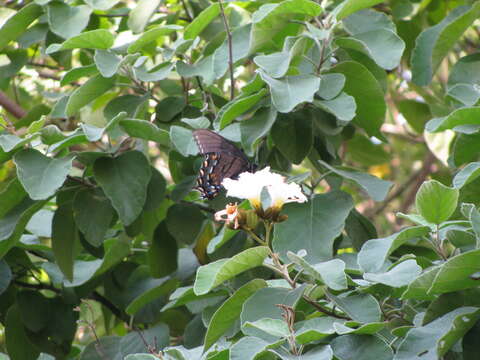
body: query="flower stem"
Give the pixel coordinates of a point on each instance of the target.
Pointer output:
(256, 238)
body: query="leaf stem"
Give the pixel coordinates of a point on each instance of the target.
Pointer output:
(230, 50)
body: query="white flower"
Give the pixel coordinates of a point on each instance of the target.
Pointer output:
(249, 186)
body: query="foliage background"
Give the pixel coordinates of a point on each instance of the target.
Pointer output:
(360, 101)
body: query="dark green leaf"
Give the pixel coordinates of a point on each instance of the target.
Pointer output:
(16, 339)
(163, 252)
(124, 180)
(88, 92)
(292, 134)
(361, 347)
(93, 214)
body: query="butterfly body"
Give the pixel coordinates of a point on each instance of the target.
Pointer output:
(222, 159)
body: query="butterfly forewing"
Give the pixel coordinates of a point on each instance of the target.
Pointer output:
(222, 159)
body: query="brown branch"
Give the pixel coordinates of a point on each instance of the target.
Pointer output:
(230, 50)
(11, 106)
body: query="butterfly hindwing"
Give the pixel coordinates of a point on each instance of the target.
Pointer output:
(222, 159)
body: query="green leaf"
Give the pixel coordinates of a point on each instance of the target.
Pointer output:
(465, 176)
(124, 180)
(364, 151)
(185, 295)
(94, 39)
(315, 329)
(434, 43)
(6, 276)
(157, 73)
(436, 202)
(107, 62)
(13, 223)
(292, 90)
(237, 107)
(162, 254)
(368, 94)
(416, 113)
(313, 226)
(67, 21)
(41, 223)
(229, 312)
(467, 94)
(183, 140)
(64, 239)
(102, 4)
(150, 36)
(145, 130)
(331, 85)
(274, 327)
(185, 222)
(269, 30)
(141, 14)
(263, 304)
(256, 127)
(457, 273)
(418, 289)
(18, 23)
(125, 103)
(88, 92)
(375, 252)
(348, 7)
(363, 308)
(383, 46)
(331, 273)
(110, 346)
(41, 176)
(375, 187)
(201, 21)
(373, 34)
(9, 142)
(211, 275)
(292, 134)
(248, 348)
(16, 339)
(93, 214)
(432, 341)
(401, 275)
(133, 342)
(361, 347)
(157, 288)
(455, 120)
(343, 107)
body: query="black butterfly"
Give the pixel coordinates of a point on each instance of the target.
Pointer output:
(222, 159)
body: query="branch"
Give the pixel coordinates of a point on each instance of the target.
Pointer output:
(12, 107)
(324, 310)
(230, 50)
(190, 18)
(110, 306)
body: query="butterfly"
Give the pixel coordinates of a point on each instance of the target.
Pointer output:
(221, 160)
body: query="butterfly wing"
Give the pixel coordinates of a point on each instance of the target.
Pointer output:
(222, 159)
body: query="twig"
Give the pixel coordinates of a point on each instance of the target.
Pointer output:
(189, 16)
(230, 50)
(110, 306)
(40, 286)
(31, 63)
(324, 310)
(12, 107)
